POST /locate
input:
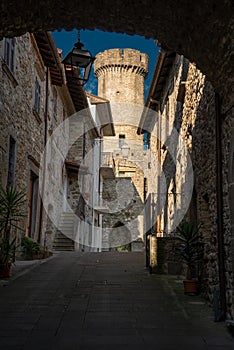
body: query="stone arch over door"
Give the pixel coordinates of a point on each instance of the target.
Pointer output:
(201, 30)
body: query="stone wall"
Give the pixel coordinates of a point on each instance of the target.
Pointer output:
(132, 167)
(199, 118)
(228, 202)
(17, 117)
(25, 125)
(171, 196)
(169, 260)
(56, 173)
(194, 119)
(135, 164)
(126, 212)
(72, 141)
(198, 129)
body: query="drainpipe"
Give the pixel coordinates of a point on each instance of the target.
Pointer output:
(44, 160)
(221, 313)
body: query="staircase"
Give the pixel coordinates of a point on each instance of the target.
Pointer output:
(65, 231)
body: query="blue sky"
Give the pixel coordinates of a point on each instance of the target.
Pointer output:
(97, 41)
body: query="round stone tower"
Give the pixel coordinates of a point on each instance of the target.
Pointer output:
(121, 75)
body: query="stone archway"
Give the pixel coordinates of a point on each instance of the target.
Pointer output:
(120, 237)
(201, 30)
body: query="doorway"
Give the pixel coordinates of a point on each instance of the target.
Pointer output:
(33, 204)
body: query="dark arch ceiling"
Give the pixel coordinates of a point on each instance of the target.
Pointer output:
(202, 30)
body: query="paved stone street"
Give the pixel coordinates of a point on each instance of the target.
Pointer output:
(94, 301)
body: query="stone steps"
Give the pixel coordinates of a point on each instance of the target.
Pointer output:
(62, 240)
(63, 243)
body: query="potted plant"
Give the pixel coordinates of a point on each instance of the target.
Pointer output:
(11, 202)
(191, 251)
(7, 256)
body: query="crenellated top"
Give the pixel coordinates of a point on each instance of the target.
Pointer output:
(118, 60)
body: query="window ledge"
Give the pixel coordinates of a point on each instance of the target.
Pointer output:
(9, 74)
(37, 116)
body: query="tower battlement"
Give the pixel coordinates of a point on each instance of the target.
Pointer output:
(121, 75)
(121, 60)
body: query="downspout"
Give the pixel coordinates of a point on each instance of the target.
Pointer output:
(44, 158)
(221, 314)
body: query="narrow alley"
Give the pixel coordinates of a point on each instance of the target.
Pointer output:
(94, 301)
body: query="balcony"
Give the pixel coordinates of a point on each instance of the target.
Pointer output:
(107, 169)
(99, 204)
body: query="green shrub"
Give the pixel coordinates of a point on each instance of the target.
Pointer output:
(30, 248)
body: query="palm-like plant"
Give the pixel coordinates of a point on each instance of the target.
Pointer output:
(11, 202)
(7, 252)
(190, 246)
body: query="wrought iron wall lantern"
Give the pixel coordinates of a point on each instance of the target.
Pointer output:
(78, 63)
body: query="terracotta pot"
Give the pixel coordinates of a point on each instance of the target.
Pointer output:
(5, 271)
(191, 287)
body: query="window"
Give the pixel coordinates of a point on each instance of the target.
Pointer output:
(9, 53)
(121, 140)
(146, 141)
(37, 96)
(11, 162)
(33, 201)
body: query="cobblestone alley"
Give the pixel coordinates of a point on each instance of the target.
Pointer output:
(100, 301)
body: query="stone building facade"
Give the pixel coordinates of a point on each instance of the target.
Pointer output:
(187, 103)
(31, 93)
(46, 141)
